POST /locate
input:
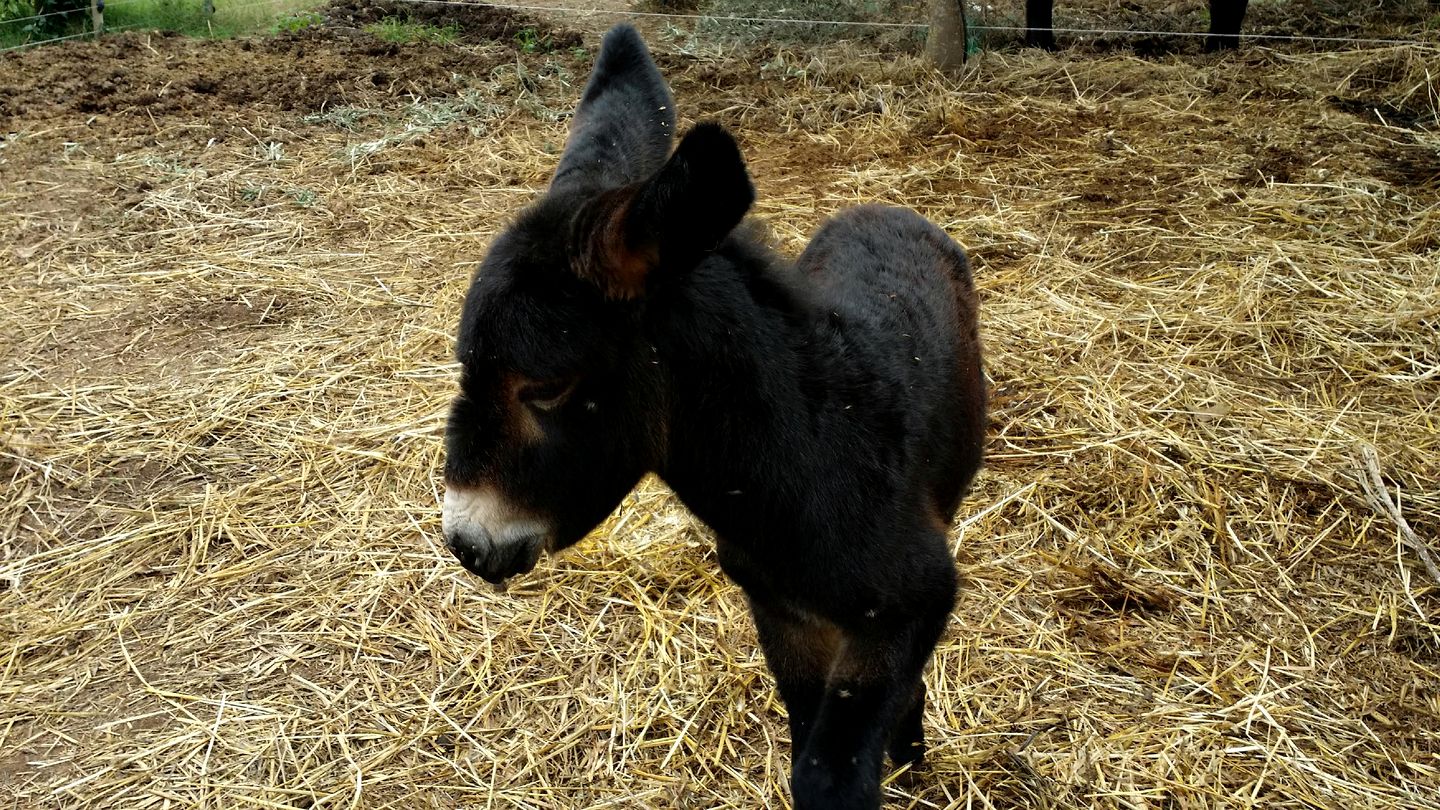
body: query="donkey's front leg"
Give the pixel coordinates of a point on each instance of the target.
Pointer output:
(907, 739)
(800, 653)
(869, 703)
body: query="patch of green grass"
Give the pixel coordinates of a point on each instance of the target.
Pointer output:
(394, 29)
(531, 41)
(188, 16)
(168, 15)
(184, 16)
(297, 22)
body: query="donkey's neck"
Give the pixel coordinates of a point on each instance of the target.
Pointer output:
(737, 343)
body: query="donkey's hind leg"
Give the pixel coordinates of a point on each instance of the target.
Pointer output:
(907, 740)
(800, 653)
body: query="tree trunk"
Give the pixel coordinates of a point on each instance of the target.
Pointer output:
(945, 44)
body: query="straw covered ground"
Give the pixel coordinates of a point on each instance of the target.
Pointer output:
(1195, 563)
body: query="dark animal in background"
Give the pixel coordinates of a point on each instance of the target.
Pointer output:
(823, 416)
(1225, 19)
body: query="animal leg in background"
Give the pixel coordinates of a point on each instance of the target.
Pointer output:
(1225, 19)
(1039, 20)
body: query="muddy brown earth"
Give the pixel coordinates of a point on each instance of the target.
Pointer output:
(162, 92)
(470, 23)
(136, 75)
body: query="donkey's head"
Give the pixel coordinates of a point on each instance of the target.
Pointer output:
(562, 402)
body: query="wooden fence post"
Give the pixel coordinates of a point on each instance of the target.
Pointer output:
(946, 42)
(97, 17)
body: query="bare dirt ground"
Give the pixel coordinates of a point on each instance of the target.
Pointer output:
(229, 273)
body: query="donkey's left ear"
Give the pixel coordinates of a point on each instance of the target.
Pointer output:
(625, 124)
(667, 224)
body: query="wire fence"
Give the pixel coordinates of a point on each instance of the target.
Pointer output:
(71, 12)
(916, 25)
(93, 22)
(193, 16)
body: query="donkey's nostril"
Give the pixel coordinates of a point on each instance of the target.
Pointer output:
(517, 555)
(514, 551)
(472, 547)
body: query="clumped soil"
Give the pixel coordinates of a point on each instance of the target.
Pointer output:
(473, 23)
(304, 72)
(336, 63)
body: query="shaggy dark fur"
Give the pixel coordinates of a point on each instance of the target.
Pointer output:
(824, 417)
(1225, 19)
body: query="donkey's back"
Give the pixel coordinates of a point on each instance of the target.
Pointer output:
(899, 290)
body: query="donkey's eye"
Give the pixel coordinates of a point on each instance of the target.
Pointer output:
(547, 395)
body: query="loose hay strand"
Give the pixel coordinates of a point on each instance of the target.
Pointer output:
(226, 364)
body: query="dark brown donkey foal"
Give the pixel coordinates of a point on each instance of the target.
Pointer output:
(823, 416)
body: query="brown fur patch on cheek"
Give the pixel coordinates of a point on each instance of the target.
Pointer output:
(824, 643)
(507, 427)
(521, 427)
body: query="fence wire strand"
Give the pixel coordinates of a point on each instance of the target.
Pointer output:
(750, 19)
(228, 8)
(40, 42)
(84, 12)
(911, 25)
(77, 11)
(118, 28)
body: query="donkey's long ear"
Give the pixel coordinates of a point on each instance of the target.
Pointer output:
(625, 123)
(669, 223)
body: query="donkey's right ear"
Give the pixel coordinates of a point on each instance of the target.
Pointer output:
(623, 128)
(670, 222)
